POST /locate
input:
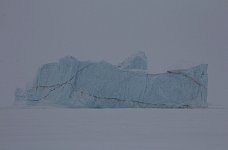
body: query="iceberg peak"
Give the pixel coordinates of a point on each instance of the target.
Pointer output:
(135, 61)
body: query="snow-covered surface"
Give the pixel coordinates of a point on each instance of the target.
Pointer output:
(74, 83)
(114, 129)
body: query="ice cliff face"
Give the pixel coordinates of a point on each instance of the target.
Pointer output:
(73, 83)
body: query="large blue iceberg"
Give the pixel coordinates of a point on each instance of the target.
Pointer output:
(83, 84)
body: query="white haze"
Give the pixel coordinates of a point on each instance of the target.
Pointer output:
(171, 32)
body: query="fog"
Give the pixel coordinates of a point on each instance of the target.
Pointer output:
(173, 33)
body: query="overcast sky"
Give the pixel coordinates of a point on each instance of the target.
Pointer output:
(171, 32)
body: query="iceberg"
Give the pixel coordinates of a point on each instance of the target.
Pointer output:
(83, 84)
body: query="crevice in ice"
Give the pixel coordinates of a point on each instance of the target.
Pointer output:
(120, 100)
(59, 85)
(146, 86)
(189, 77)
(149, 105)
(75, 77)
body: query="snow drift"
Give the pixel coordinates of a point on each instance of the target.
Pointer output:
(76, 84)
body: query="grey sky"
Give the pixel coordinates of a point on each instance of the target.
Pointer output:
(34, 32)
